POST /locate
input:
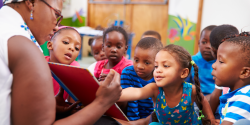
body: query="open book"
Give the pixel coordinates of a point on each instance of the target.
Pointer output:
(81, 85)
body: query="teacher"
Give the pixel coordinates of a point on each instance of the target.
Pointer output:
(26, 89)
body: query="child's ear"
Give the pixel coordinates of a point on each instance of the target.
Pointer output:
(184, 73)
(50, 45)
(126, 48)
(245, 73)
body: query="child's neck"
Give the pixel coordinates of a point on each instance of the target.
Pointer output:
(111, 64)
(173, 89)
(239, 84)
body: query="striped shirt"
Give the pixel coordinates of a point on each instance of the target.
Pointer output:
(140, 108)
(235, 105)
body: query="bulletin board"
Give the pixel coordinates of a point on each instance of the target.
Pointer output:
(184, 20)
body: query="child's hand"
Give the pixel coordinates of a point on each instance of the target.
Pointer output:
(110, 89)
(217, 121)
(62, 107)
(102, 77)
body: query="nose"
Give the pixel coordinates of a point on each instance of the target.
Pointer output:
(55, 29)
(140, 66)
(158, 70)
(114, 50)
(208, 46)
(102, 54)
(214, 65)
(71, 47)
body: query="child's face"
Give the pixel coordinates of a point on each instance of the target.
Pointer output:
(65, 47)
(114, 46)
(205, 46)
(167, 69)
(97, 50)
(227, 68)
(144, 63)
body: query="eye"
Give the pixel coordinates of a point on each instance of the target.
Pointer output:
(221, 62)
(204, 42)
(147, 63)
(136, 60)
(77, 49)
(65, 42)
(57, 15)
(156, 67)
(119, 47)
(96, 53)
(108, 46)
(166, 66)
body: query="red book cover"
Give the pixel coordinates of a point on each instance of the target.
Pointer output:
(81, 85)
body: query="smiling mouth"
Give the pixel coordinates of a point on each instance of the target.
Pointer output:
(68, 56)
(158, 78)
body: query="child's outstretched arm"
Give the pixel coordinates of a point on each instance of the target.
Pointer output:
(206, 109)
(132, 94)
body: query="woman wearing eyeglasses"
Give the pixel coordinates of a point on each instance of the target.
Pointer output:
(26, 91)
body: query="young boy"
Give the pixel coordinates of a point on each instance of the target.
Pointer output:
(204, 60)
(139, 75)
(151, 33)
(233, 70)
(216, 36)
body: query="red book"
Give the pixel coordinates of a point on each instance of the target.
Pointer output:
(81, 85)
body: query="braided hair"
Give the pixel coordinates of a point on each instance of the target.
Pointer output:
(184, 59)
(243, 41)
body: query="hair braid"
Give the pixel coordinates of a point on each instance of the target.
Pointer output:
(199, 97)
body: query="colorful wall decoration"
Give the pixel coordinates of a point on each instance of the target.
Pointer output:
(74, 13)
(182, 21)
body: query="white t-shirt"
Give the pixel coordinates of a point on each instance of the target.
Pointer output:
(91, 68)
(10, 25)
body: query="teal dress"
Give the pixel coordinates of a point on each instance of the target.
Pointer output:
(182, 114)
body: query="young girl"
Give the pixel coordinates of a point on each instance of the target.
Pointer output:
(96, 44)
(64, 48)
(115, 40)
(172, 96)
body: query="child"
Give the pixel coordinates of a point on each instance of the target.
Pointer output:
(216, 36)
(115, 40)
(172, 96)
(96, 44)
(233, 70)
(139, 75)
(64, 47)
(151, 33)
(204, 60)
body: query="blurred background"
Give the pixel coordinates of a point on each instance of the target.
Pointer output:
(178, 21)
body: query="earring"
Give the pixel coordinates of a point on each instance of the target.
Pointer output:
(31, 15)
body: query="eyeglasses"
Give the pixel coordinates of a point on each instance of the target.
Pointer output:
(59, 17)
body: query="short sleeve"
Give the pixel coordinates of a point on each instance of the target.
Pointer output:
(126, 78)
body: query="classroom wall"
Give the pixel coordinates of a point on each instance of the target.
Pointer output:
(139, 18)
(234, 12)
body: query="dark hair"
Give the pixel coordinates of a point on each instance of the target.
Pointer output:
(60, 30)
(220, 32)
(152, 32)
(242, 40)
(150, 43)
(91, 40)
(118, 29)
(184, 59)
(208, 28)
